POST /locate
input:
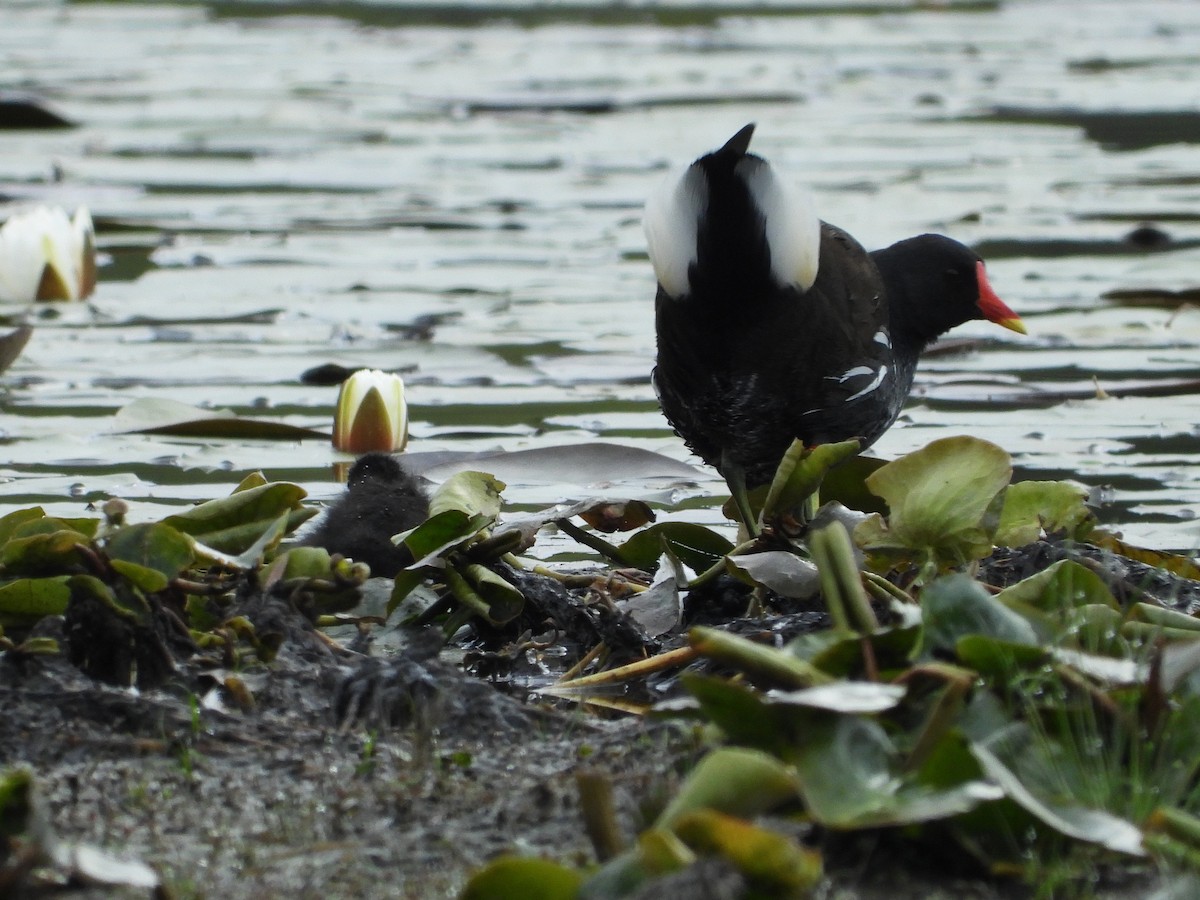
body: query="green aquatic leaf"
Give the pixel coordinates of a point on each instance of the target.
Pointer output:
(515, 878)
(942, 500)
(442, 532)
(25, 600)
(474, 493)
(772, 863)
(955, 607)
(732, 780)
(150, 555)
(867, 791)
(161, 415)
(235, 523)
(13, 520)
(1032, 508)
(45, 546)
(695, 546)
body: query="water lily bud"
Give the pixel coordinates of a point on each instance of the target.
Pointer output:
(46, 256)
(371, 413)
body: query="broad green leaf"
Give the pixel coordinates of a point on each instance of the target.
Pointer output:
(846, 484)
(266, 542)
(43, 552)
(26, 600)
(996, 658)
(771, 861)
(154, 547)
(16, 518)
(304, 562)
(442, 531)
(514, 878)
(741, 712)
(164, 416)
(233, 524)
(1063, 586)
(840, 654)
(732, 780)
(473, 493)
(1034, 507)
(866, 791)
(940, 499)
(406, 581)
(955, 606)
(694, 545)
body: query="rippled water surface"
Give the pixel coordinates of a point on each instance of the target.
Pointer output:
(455, 189)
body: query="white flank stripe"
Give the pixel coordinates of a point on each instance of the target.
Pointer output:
(872, 386)
(852, 373)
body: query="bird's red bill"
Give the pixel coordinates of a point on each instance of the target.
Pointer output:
(993, 308)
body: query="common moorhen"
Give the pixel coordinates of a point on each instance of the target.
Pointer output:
(382, 499)
(773, 325)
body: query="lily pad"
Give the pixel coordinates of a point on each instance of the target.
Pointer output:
(164, 416)
(939, 499)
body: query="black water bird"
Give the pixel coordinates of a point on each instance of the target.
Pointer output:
(381, 499)
(773, 325)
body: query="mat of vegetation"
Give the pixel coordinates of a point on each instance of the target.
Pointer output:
(944, 684)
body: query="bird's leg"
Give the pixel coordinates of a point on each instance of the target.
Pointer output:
(735, 477)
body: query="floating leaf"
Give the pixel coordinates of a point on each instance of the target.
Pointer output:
(233, 524)
(694, 545)
(939, 498)
(771, 862)
(160, 415)
(26, 600)
(513, 878)
(475, 493)
(44, 546)
(955, 606)
(1032, 508)
(732, 780)
(150, 555)
(1062, 586)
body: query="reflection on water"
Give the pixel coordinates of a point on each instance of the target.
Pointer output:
(455, 190)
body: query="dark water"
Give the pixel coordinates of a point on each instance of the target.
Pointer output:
(456, 189)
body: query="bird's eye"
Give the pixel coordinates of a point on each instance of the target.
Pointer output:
(952, 273)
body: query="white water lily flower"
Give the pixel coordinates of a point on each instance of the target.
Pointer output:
(371, 413)
(44, 255)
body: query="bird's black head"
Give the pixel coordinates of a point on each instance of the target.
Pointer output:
(935, 283)
(381, 467)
